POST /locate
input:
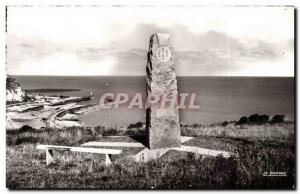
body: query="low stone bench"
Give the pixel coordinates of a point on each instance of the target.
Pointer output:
(49, 152)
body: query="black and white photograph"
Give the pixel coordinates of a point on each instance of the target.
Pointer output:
(152, 97)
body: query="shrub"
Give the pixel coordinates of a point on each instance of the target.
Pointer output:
(277, 119)
(254, 119)
(110, 131)
(99, 129)
(26, 128)
(196, 125)
(257, 119)
(243, 120)
(224, 124)
(136, 125)
(265, 118)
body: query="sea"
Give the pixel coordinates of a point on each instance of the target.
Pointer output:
(220, 98)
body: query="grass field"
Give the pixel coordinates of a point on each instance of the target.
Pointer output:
(260, 149)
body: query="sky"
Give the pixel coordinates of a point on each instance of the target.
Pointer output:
(207, 41)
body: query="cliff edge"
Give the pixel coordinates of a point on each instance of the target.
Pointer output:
(14, 92)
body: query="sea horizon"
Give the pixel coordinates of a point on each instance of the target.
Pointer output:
(221, 98)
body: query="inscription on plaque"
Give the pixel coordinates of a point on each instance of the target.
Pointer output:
(163, 54)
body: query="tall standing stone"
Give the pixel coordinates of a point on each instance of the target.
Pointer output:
(162, 122)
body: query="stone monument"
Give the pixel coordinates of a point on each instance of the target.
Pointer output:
(162, 122)
(162, 116)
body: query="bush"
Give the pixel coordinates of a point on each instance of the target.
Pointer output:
(26, 128)
(257, 119)
(110, 131)
(254, 119)
(136, 125)
(99, 129)
(224, 124)
(243, 120)
(196, 125)
(265, 118)
(277, 119)
(104, 130)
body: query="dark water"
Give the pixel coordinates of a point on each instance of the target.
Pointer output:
(220, 98)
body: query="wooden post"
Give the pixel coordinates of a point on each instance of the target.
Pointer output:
(49, 157)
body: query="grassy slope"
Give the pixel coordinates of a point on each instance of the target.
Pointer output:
(260, 148)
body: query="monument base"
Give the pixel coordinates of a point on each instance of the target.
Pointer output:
(140, 153)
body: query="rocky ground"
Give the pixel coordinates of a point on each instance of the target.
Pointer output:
(46, 112)
(40, 111)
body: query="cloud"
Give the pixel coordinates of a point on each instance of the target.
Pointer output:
(206, 53)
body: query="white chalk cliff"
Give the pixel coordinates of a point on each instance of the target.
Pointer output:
(14, 92)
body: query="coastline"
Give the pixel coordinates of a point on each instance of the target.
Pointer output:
(47, 111)
(46, 90)
(56, 120)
